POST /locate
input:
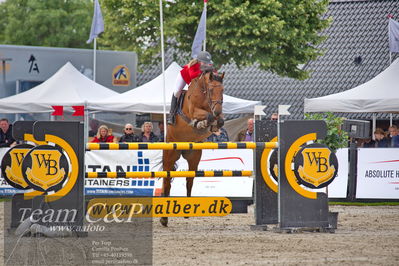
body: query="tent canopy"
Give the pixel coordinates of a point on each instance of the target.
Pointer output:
(67, 87)
(380, 94)
(149, 98)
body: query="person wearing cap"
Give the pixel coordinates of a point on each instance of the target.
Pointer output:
(202, 63)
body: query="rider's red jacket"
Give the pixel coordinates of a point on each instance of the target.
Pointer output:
(190, 73)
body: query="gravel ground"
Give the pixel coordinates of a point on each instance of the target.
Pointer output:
(366, 235)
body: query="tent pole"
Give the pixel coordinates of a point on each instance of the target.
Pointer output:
(390, 119)
(86, 123)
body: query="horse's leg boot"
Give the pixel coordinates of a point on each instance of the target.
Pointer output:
(173, 110)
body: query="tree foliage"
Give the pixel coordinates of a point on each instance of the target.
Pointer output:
(336, 137)
(57, 23)
(278, 35)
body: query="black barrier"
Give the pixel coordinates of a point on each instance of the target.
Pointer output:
(299, 207)
(51, 201)
(265, 196)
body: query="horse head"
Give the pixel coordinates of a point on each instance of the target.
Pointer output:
(213, 89)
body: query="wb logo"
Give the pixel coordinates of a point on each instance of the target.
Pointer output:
(47, 163)
(315, 166)
(11, 166)
(319, 159)
(45, 168)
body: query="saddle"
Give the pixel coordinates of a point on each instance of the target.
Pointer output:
(180, 107)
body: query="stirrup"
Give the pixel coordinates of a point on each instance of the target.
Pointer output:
(172, 120)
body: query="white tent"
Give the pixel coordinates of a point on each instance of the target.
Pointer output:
(148, 98)
(67, 87)
(380, 94)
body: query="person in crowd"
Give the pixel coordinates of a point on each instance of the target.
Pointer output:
(147, 135)
(193, 69)
(247, 134)
(393, 132)
(103, 135)
(274, 117)
(395, 141)
(94, 124)
(380, 140)
(218, 136)
(6, 139)
(128, 134)
(368, 143)
(161, 131)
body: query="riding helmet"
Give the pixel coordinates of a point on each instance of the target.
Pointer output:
(205, 57)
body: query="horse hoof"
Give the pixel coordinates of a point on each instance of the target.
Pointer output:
(202, 124)
(164, 221)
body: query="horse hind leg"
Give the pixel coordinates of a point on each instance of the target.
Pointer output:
(193, 158)
(169, 159)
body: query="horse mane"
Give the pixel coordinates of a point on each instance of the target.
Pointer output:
(215, 76)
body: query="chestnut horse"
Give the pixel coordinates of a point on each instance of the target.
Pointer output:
(200, 115)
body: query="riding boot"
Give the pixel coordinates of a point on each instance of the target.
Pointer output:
(173, 110)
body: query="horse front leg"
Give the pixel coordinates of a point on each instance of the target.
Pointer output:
(200, 118)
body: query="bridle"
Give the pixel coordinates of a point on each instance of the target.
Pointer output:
(208, 91)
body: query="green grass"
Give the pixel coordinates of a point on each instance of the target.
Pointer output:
(390, 203)
(5, 199)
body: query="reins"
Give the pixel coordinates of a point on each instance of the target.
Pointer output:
(208, 91)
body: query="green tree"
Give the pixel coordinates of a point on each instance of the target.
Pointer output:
(57, 23)
(336, 138)
(277, 35)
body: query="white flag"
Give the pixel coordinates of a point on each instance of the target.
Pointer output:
(199, 35)
(97, 26)
(393, 29)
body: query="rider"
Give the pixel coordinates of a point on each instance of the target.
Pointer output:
(193, 69)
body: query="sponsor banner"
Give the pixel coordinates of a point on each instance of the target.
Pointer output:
(377, 173)
(151, 160)
(123, 161)
(218, 186)
(117, 209)
(338, 188)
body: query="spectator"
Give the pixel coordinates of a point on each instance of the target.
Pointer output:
(247, 134)
(274, 117)
(218, 136)
(368, 143)
(129, 135)
(147, 135)
(393, 132)
(395, 141)
(103, 135)
(161, 131)
(6, 139)
(93, 127)
(380, 140)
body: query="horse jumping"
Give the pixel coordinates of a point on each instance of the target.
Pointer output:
(200, 115)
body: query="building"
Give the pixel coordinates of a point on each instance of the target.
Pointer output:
(28, 66)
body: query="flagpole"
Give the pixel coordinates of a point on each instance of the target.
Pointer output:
(390, 57)
(205, 6)
(94, 59)
(163, 69)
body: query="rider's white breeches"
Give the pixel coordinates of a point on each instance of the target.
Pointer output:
(179, 85)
